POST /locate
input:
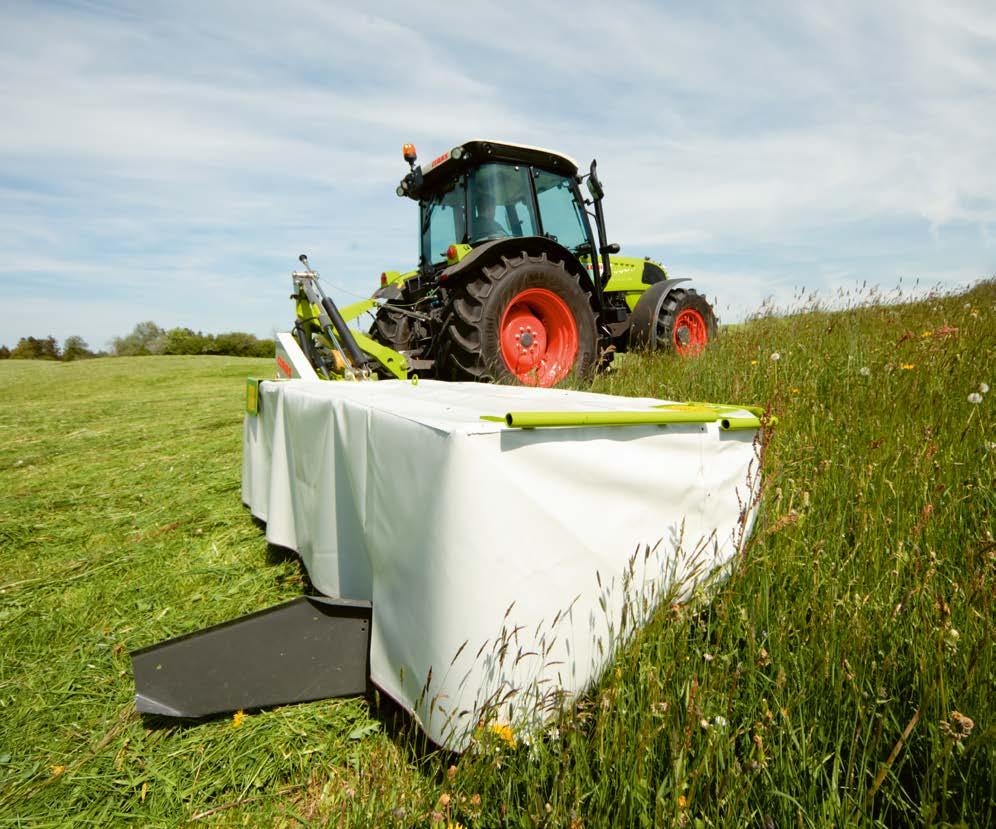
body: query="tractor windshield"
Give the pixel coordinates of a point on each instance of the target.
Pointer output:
(491, 202)
(501, 203)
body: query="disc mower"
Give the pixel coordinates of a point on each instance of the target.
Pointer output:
(513, 284)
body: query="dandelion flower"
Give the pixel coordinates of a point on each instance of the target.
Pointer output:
(752, 362)
(682, 802)
(238, 718)
(926, 334)
(908, 366)
(984, 388)
(975, 397)
(58, 770)
(864, 371)
(504, 733)
(775, 356)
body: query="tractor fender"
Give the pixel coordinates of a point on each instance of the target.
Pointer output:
(493, 251)
(648, 308)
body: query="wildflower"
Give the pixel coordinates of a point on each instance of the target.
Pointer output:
(708, 657)
(775, 357)
(959, 726)
(864, 371)
(753, 362)
(795, 391)
(926, 334)
(984, 388)
(238, 718)
(720, 722)
(455, 824)
(682, 802)
(57, 770)
(975, 397)
(908, 366)
(504, 733)
(444, 801)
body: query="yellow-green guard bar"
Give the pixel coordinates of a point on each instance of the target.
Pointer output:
(690, 414)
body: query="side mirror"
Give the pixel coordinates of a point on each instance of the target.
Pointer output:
(594, 185)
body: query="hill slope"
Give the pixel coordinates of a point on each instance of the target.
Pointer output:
(846, 672)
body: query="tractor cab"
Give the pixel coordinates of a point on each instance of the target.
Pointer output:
(482, 191)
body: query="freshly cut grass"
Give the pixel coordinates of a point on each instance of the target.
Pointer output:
(843, 675)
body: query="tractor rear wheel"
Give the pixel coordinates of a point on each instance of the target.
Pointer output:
(680, 320)
(524, 319)
(392, 329)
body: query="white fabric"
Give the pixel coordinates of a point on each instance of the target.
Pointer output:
(400, 494)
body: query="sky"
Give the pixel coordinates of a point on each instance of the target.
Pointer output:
(169, 161)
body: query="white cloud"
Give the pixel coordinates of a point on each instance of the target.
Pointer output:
(171, 161)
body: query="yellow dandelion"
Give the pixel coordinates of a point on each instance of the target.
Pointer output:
(504, 733)
(238, 718)
(795, 391)
(57, 770)
(753, 362)
(908, 366)
(927, 334)
(682, 802)
(455, 824)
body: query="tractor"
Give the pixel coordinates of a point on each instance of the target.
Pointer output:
(512, 284)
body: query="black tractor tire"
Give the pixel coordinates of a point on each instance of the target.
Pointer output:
(470, 342)
(679, 319)
(393, 329)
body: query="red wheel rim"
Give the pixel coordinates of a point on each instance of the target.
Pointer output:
(690, 334)
(539, 337)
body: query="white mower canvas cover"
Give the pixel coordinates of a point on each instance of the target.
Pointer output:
(498, 560)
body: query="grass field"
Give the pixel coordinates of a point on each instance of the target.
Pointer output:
(844, 675)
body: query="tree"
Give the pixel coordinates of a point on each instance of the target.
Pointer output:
(145, 338)
(36, 348)
(75, 348)
(4, 352)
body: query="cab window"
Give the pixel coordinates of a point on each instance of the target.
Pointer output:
(559, 212)
(500, 203)
(443, 222)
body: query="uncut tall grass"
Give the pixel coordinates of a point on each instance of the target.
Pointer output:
(844, 675)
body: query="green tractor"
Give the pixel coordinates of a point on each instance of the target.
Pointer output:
(512, 283)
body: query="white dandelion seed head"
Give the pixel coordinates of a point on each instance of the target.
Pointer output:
(864, 371)
(984, 388)
(975, 397)
(775, 356)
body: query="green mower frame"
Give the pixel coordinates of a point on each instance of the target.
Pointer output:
(516, 281)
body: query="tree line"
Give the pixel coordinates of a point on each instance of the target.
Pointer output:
(146, 338)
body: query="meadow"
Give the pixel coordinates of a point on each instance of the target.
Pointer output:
(843, 675)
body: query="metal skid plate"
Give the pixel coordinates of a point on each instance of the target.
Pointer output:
(309, 648)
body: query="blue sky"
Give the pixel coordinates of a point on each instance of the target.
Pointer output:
(168, 161)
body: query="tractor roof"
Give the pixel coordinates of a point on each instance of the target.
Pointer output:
(481, 151)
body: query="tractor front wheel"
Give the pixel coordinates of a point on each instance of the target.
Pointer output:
(679, 319)
(523, 320)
